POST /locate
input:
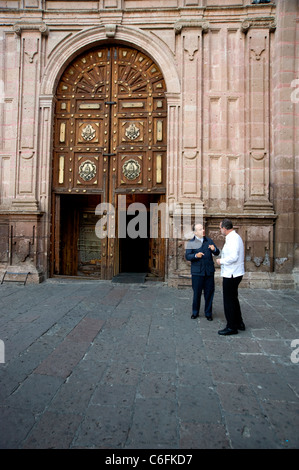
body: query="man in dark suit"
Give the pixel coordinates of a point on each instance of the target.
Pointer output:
(199, 251)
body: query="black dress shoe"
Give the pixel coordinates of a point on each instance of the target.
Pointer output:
(227, 331)
(194, 316)
(241, 327)
(209, 318)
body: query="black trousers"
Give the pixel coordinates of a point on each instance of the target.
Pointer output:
(206, 284)
(231, 303)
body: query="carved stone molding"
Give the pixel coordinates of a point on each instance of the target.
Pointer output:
(70, 46)
(258, 155)
(41, 27)
(190, 154)
(27, 155)
(110, 30)
(191, 44)
(258, 23)
(184, 24)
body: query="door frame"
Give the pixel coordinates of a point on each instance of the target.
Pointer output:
(60, 57)
(113, 249)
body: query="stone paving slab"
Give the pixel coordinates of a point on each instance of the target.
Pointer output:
(96, 364)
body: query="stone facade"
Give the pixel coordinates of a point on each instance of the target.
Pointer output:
(231, 75)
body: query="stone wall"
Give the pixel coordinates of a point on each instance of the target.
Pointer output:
(231, 71)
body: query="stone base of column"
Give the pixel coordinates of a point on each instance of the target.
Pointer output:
(23, 205)
(252, 280)
(21, 246)
(258, 207)
(296, 277)
(21, 275)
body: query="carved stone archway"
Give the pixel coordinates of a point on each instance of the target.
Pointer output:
(86, 39)
(60, 57)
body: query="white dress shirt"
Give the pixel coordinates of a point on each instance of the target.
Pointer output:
(232, 256)
(200, 240)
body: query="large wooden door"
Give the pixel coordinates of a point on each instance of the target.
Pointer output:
(109, 136)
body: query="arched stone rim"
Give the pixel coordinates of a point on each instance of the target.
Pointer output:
(84, 40)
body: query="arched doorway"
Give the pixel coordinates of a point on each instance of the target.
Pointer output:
(109, 140)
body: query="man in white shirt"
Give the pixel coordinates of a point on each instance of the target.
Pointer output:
(232, 271)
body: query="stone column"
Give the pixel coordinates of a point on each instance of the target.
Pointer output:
(173, 145)
(30, 38)
(285, 135)
(22, 218)
(46, 110)
(258, 82)
(189, 46)
(173, 151)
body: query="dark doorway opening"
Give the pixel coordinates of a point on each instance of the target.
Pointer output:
(134, 252)
(144, 253)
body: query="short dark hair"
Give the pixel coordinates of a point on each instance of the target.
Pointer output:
(227, 223)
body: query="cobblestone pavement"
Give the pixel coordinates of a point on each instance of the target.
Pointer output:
(122, 366)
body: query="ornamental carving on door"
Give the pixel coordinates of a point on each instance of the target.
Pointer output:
(88, 133)
(131, 169)
(132, 132)
(110, 124)
(87, 170)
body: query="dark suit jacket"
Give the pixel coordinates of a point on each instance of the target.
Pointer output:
(201, 266)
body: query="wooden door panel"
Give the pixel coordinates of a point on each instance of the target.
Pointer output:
(158, 168)
(69, 238)
(159, 105)
(55, 239)
(159, 134)
(157, 245)
(132, 105)
(63, 107)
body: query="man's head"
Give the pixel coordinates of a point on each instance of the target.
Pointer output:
(226, 226)
(199, 230)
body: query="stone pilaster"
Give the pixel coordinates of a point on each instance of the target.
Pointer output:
(258, 117)
(190, 49)
(173, 145)
(29, 36)
(21, 222)
(285, 143)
